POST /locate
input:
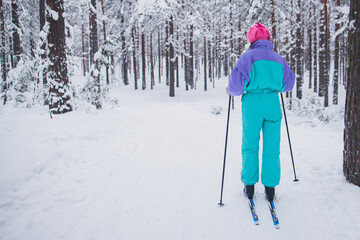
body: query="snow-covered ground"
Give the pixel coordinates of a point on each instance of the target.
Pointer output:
(151, 168)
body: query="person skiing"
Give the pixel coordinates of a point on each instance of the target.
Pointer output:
(258, 76)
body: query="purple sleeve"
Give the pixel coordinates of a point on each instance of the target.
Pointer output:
(239, 74)
(236, 83)
(289, 78)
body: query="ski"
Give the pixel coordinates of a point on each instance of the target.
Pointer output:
(253, 212)
(273, 215)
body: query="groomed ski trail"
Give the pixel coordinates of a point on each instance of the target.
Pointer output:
(151, 169)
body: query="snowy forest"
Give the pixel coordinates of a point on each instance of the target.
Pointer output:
(113, 116)
(183, 43)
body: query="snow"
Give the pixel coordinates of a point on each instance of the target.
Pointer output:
(54, 14)
(151, 169)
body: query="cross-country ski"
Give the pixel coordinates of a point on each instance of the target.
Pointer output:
(253, 212)
(273, 214)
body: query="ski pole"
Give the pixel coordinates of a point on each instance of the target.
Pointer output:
(287, 129)
(226, 138)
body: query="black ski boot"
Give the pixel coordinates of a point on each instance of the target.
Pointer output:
(270, 193)
(249, 191)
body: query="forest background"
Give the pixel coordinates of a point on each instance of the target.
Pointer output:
(182, 43)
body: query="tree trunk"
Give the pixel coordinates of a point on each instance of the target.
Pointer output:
(352, 106)
(309, 53)
(336, 59)
(143, 57)
(42, 14)
(93, 31)
(315, 53)
(42, 37)
(152, 74)
(324, 55)
(95, 72)
(124, 53)
(85, 59)
(186, 72)
(344, 59)
(205, 65)
(167, 53)
(15, 33)
(273, 24)
(328, 57)
(299, 53)
(105, 43)
(3, 53)
(177, 61)
(209, 61)
(226, 58)
(159, 53)
(32, 42)
(134, 59)
(218, 54)
(231, 38)
(213, 54)
(11, 53)
(177, 71)
(172, 73)
(191, 59)
(59, 91)
(292, 45)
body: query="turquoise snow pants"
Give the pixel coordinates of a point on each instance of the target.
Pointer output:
(261, 111)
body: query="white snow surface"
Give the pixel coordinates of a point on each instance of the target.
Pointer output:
(151, 168)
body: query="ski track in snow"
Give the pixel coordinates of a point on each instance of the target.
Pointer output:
(151, 169)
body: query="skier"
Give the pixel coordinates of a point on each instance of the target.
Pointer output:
(258, 76)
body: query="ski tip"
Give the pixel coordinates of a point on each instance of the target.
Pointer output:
(221, 204)
(296, 180)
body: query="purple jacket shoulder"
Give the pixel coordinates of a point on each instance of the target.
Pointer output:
(243, 72)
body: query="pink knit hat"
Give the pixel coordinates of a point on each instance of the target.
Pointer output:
(258, 32)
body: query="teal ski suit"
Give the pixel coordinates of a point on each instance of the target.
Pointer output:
(258, 76)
